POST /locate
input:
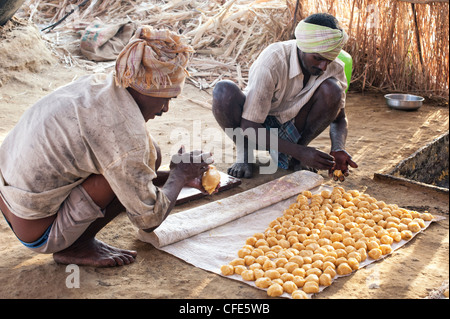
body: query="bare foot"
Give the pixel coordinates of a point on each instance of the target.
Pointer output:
(241, 170)
(94, 253)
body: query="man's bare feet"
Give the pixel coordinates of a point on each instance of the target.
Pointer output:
(241, 170)
(94, 253)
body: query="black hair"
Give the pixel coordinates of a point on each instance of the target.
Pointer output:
(323, 19)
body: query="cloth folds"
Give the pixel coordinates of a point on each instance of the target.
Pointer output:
(154, 63)
(313, 38)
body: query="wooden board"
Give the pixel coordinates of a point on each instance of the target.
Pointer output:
(188, 194)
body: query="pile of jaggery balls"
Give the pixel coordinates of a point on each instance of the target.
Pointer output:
(320, 236)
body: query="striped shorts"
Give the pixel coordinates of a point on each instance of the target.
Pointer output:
(287, 132)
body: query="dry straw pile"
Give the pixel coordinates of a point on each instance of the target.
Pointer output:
(396, 45)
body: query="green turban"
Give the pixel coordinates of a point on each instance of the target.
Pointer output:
(313, 38)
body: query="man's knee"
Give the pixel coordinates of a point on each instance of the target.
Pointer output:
(223, 90)
(228, 101)
(331, 91)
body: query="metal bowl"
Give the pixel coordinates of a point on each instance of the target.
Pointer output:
(404, 101)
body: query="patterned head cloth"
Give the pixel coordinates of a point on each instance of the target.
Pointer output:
(153, 63)
(313, 38)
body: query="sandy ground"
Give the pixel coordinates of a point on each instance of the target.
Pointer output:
(378, 139)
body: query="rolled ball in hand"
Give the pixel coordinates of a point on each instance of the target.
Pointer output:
(210, 179)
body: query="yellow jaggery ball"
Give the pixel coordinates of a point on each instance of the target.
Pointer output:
(289, 287)
(329, 264)
(385, 249)
(426, 217)
(386, 239)
(297, 259)
(278, 281)
(257, 252)
(299, 281)
(261, 260)
(250, 241)
(291, 266)
(263, 282)
(311, 287)
(259, 235)
(272, 274)
(244, 252)
(337, 173)
(237, 261)
(287, 277)
(414, 226)
(299, 294)
(239, 269)
(308, 194)
(261, 242)
(330, 271)
(249, 260)
(353, 263)
(312, 277)
(344, 269)
(369, 232)
(396, 236)
(258, 273)
(227, 270)
(336, 237)
(420, 221)
(280, 262)
(356, 255)
(406, 234)
(375, 253)
(363, 253)
(270, 254)
(269, 264)
(372, 244)
(272, 241)
(325, 194)
(275, 290)
(325, 280)
(248, 275)
(299, 272)
(313, 271)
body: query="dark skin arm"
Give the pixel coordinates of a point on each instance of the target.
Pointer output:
(184, 168)
(338, 136)
(307, 155)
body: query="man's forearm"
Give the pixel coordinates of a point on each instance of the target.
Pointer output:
(338, 134)
(172, 188)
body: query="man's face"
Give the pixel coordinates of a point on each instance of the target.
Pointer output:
(313, 63)
(150, 106)
(157, 106)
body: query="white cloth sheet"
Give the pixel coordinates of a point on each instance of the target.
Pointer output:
(212, 242)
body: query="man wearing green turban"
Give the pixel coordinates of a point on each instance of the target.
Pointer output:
(297, 87)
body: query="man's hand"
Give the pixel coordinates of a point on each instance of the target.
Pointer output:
(342, 161)
(313, 158)
(191, 166)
